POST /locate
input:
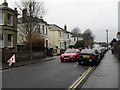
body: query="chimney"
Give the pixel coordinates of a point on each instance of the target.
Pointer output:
(24, 15)
(65, 28)
(5, 3)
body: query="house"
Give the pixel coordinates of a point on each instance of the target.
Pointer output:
(8, 27)
(41, 29)
(59, 37)
(75, 38)
(118, 33)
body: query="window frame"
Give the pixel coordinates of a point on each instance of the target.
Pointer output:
(11, 23)
(11, 42)
(2, 40)
(2, 21)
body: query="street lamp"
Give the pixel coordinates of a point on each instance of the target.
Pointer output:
(107, 37)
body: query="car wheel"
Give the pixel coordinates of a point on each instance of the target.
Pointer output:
(97, 62)
(61, 60)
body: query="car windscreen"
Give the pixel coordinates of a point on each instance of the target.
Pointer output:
(87, 51)
(71, 51)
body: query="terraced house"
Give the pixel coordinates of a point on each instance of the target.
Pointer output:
(40, 29)
(59, 37)
(8, 27)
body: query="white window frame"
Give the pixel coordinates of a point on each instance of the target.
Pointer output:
(2, 21)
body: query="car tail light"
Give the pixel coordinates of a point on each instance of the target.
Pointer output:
(93, 57)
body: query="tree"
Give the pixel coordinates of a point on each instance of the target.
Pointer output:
(76, 31)
(31, 12)
(79, 44)
(88, 38)
(112, 43)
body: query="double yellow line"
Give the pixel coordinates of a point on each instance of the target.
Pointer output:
(80, 79)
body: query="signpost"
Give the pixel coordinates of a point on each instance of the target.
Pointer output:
(12, 60)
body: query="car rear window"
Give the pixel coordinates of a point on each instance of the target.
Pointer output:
(71, 51)
(87, 51)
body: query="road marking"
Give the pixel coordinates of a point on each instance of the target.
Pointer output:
(80, 79)
(5, 70)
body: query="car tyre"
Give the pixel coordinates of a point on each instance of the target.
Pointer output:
(97, 62)
(61, 60)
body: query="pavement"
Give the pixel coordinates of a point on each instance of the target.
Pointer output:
(105, 75)
(26, 62)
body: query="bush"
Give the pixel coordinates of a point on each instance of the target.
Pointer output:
(37, 43)
(71, 46)
(79, 44)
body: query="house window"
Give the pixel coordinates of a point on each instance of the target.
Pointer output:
(1, 40)
(1, 18)
(43, 29)
(10, 19)
(68, 36)
(74, 38)
(46, 31)
(60, 44)
(10, 40)
(39, 29)
(60, 34)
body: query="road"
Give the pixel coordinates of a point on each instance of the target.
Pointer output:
(56, 74)
(49, 74)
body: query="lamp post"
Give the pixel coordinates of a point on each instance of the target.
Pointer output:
(107, 37)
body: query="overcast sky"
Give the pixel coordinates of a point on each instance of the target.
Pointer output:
(97, 15)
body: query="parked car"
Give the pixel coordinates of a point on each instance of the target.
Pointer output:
(100, 51)
(104, 49)
(89, 56)
(70, 55)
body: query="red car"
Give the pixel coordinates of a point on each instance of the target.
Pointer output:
(70, 55)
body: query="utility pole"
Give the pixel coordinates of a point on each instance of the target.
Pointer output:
(107, 37)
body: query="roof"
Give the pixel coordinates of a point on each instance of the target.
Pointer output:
(4, 7)
(35, 19)
(55, 27)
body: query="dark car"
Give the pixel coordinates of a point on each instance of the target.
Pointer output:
(70, 55)
(103, 49)
(100, 51)
(89, 56)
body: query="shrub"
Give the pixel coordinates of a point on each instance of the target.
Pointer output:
(71, 46)
(37, 43)
(79, 44)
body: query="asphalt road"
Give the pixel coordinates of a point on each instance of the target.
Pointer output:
(49, 74)
(56, 74)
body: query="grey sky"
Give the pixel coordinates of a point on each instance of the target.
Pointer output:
(97, 15)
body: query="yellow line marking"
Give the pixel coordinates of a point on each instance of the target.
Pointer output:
(80, 79)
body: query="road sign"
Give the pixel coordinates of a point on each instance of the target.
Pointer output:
(12, 60)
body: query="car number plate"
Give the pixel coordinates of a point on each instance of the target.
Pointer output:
(86, 56)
